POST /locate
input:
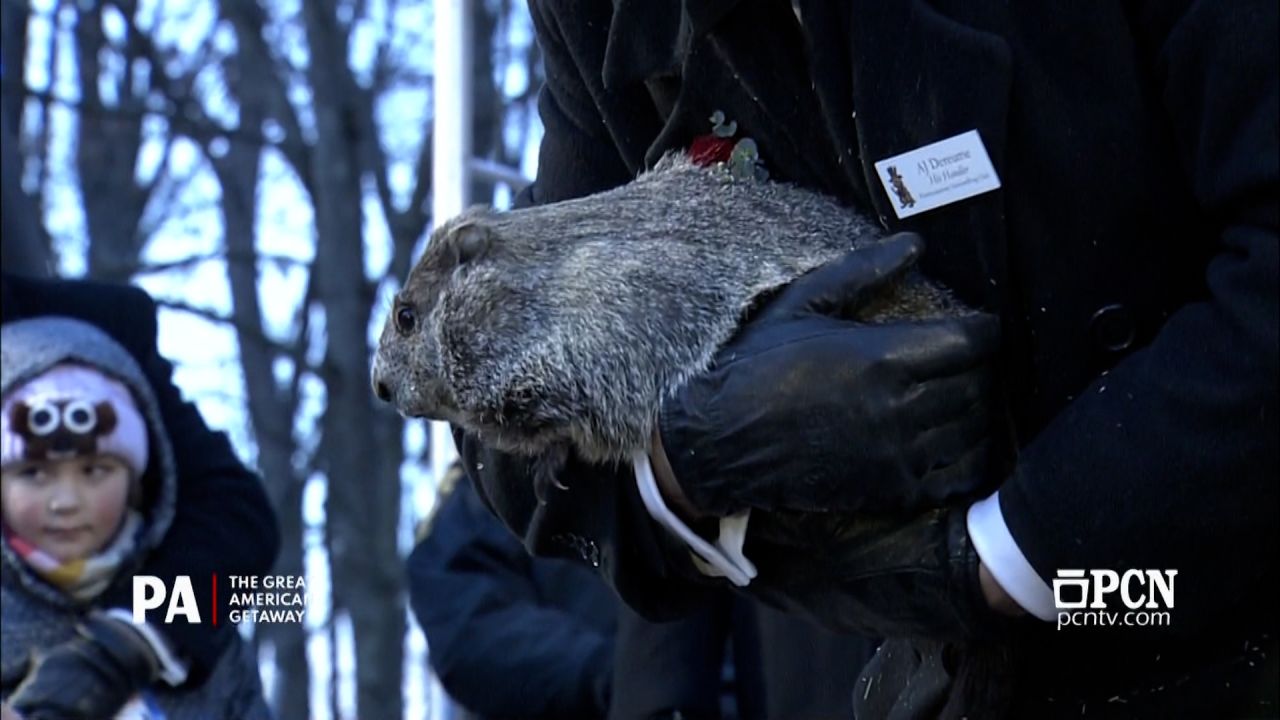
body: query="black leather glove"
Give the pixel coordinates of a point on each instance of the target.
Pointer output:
(883, 576)
(912, 580)
(806, 409)
(89, 677)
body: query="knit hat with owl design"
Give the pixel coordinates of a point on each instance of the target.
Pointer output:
(69, 411)
(69, 389)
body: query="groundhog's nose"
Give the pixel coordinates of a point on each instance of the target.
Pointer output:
(380, 388)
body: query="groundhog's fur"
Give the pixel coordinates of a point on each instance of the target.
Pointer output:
(567, 324)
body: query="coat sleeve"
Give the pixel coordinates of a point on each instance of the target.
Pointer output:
(1169, 461)
(223, 522)
(498, 645)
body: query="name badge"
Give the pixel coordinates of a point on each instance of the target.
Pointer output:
(937, 174)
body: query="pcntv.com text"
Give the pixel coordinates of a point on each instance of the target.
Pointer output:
(1107, 618)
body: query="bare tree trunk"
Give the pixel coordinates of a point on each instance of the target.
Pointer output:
(106, 155)
(13, 55)
(23, 249)
(486, 98)
(363, 506)
(271, 408)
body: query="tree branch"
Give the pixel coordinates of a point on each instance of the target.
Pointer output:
(230, 257)
(253, 330)
(201, 131)
(249, 20)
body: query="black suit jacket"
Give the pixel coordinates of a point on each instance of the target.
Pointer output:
(223, 522)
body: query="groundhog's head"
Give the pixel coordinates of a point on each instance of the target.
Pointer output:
(461, 340)
(408, 369)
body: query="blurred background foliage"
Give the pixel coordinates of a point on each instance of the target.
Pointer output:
(262, 167)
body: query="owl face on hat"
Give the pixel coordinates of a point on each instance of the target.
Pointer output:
(52, 430)
(69, 411)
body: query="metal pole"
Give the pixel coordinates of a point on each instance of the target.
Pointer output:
(451, 151)
(450, 183)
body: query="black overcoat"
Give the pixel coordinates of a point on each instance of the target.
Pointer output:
(1131, 254)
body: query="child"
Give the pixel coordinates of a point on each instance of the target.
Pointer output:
(87, 489)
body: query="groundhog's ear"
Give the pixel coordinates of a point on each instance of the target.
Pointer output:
(468, 242)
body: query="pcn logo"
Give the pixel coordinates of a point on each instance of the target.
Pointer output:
(1105, 582)
(1081, 597)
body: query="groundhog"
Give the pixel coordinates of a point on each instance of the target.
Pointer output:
(566, 325)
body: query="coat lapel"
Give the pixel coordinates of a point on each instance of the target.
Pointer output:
(646, 38)
(922, 73)
(893, 76)
(743, 57)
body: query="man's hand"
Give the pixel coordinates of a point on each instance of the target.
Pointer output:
(806, 409)
(88, 677)
(996, 597)
(881, 575)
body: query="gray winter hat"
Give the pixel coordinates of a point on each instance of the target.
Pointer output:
(28, 349)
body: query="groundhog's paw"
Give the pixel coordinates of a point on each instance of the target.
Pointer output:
(547, 469)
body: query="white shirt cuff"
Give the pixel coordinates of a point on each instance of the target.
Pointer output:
(724, 558)
(1005, 561)
(172, 670)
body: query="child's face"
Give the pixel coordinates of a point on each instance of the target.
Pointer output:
(69, 508)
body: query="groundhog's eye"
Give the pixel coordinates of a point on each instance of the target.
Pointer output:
(406, 319)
